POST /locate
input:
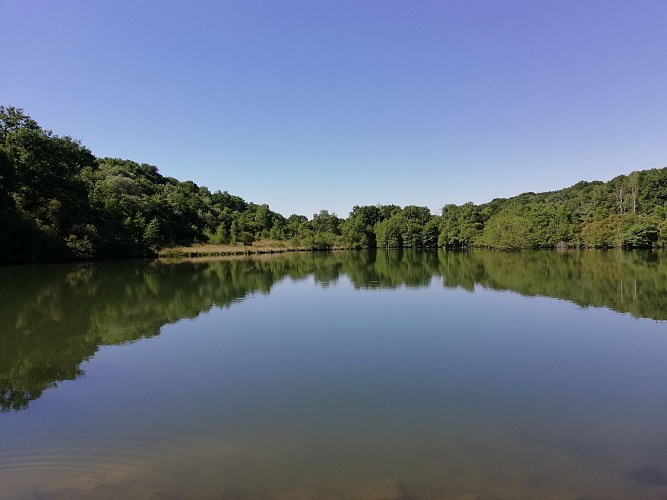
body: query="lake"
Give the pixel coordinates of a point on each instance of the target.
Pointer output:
(361, 375)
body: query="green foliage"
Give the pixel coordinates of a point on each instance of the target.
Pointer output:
(621, 231)
(507, 231)
(41, 183)
(357, 229)
(410, 227)
(277, 231)
(388, 232)
(82, 241)
(430, 233)
(59, 188)
(58, 201)
(152, 235)
(6, 178)
(625, 212)
(662, 233)
(324, 222)
(321, 233)
(234, 232)
(460, 225)
(219, 237)
(641, 234)
(245, 237)
(293, 224)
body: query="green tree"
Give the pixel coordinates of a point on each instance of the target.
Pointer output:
(233, 234)
(324, 222)
(641, 234)
(388, 232)
(430, 233)
(358, 228)
(507, 231)
(293, 224)
(152, 236)
(460, 225)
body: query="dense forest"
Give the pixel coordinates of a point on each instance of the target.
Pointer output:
(59, 202)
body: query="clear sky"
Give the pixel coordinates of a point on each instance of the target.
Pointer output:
(310, 105)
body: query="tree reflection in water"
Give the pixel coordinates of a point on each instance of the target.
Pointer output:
(54, 317)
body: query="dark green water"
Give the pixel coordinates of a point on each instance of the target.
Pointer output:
(337, 375)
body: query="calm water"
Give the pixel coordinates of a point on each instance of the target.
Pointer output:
(343, 375)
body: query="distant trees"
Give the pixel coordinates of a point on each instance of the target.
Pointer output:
(405, 228)
(321, 232)
(621, 231)
(388, 233)
(460, 225)
(626, 212)
(58, 201)
(358, 229)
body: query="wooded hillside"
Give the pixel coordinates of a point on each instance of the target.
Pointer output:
(58, 202)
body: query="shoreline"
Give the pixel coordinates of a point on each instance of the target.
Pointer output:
(229, 250)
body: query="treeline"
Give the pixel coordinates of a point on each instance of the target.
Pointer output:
(58, 201)
(630, 211)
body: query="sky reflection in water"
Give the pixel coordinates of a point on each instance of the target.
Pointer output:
(358, 376)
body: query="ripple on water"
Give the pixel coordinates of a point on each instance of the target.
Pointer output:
(62, 469)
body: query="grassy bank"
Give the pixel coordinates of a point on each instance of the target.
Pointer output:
(258, 247)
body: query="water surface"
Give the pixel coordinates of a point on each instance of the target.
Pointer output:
(337, 375)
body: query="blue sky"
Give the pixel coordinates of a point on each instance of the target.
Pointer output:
(310, 105)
